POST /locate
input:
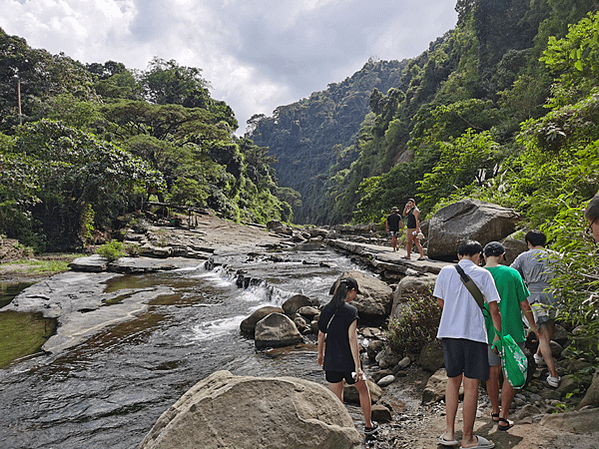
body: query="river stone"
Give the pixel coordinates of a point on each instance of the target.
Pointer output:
(468, 219)
(435, 388)
(248, 326)
(226, 411)
(387, 380)
(351, 395)
(296, 302)
(374, 300)
(276, 330)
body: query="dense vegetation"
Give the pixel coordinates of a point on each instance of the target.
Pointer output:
(503, 108)
(85, 146)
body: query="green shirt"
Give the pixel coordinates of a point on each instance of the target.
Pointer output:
(512, 291)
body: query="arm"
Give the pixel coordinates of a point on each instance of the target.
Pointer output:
(352, 334)
(496, 317)
(440, 302)
(417, 217)
(320, 348)
(387, 225)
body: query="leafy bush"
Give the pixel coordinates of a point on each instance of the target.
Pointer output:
(418, 325)
(112, 250)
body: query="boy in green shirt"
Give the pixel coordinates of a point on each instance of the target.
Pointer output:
(513, 293)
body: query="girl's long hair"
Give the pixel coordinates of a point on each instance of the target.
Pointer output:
(339, 297)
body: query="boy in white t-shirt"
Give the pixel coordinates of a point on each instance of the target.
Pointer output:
(463, 335)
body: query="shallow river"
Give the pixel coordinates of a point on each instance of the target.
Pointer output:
(109, 391)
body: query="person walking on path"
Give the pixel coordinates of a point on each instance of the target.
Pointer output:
(413, 228)
(394, 226)
(338, 351)
(591, 213)
(513, 293)
(534, 266)
(464, 339)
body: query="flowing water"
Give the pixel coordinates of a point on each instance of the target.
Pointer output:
(109, 391)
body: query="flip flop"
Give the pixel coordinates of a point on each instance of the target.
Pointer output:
(508, 424)
(483, 443)
(448, 443)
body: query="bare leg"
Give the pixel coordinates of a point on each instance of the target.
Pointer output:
(419, 246)
(365, 401)
(493, 388)
(409, 244)
(545, 349)
(469, 411)
(337, 389)
(507, 395)
(452, 395)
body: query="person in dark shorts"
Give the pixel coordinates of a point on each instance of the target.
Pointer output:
(535, 267)
(338, 351)
(464, 338)
(412, 213)
(394, 226)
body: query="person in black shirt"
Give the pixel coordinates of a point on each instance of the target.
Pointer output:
(338, 351)
(412, 213)
(394, 226)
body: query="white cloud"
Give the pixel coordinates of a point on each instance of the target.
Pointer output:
(256, 55)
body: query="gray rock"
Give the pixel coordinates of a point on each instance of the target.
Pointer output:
(385, 381)
(435, 388)
(592, 395)
(248, 326)
(381, 414)
(582, 421)
(408, 288)
(296, 302)
(249, 412)
(276, 330)
(468, 219)
(404, 363)
(374, 300)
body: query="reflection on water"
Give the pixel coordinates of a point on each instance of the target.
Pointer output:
(8, 290)
(109, 391)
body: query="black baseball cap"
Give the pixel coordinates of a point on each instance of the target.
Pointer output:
(351, 283)
(494, 249)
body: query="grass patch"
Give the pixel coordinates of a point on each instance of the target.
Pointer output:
(22, 334)
(42, 266)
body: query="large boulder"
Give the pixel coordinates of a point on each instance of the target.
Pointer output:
(226, 411)
(411, 287)
(296, 302)
(248, 326)
(468, 219)
(276, 330)
(374, 300)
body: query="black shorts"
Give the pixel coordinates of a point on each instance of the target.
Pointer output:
(334, 377)
(466, 356)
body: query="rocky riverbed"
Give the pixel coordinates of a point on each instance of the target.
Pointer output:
(413, 425)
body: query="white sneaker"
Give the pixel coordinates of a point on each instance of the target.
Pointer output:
(538, 359)
(553, 381)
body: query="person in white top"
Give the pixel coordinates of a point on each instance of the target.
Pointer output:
(463, 335)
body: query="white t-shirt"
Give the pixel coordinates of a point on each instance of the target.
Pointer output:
(461, 317)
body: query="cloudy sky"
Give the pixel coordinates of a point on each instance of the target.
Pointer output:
(256, 54)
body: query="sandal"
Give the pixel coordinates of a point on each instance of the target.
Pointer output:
(495, 417)
(371, 430)
(508, 425)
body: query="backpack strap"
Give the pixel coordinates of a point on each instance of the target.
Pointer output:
(472, 288)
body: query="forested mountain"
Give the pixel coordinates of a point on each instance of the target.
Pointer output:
(307, 137)
(470, 89)
(82, 147)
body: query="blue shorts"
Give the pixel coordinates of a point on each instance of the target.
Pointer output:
(334, 377)
(466, 357)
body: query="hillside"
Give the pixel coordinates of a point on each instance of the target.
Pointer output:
(485, 75)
